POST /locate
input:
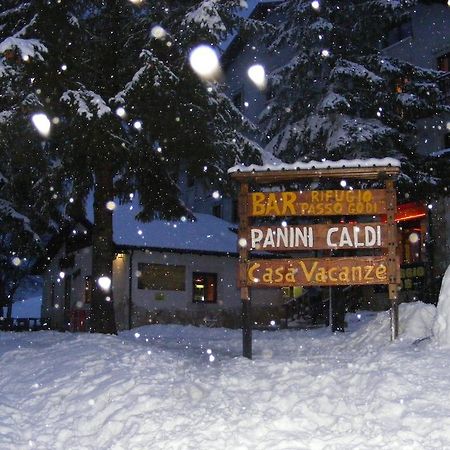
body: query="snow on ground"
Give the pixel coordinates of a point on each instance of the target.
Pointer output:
(175, 387)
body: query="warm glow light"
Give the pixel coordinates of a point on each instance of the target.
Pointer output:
(204, 62)
(42, 123)
(416, 216)
(257, 74)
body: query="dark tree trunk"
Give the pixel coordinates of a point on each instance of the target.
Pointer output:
(9, 310)
(102, 317)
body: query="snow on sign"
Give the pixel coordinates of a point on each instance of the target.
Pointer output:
(318, 203)
(353, 208)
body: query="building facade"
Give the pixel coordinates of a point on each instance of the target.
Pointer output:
(163, 272)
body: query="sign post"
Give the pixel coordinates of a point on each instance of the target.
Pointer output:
(376, 237)
(243, 283)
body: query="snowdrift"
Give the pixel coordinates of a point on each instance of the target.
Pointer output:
(441, 328)
(175, 387)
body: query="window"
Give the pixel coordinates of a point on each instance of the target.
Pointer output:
(204, 287)
(159, 277)
(411, 243)
(447, 140)
(443, 62)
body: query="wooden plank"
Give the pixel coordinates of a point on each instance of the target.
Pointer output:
(317, 203)
(393, 264)
(316, 237)
(280, 176)
(392, 240)
(362, 270)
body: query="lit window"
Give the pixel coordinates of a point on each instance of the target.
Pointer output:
(443, 62)
(204, 287)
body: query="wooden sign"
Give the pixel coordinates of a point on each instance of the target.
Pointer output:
(317, 271)
(316, 237)
(318, 203)
(331, 271)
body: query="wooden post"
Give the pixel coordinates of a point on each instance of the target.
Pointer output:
(392, 263)
(243, 259)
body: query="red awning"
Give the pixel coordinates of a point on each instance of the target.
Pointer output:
(410, 211)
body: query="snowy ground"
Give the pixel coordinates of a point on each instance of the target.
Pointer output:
(174, 387)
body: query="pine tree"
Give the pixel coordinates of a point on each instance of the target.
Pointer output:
(127, 111)
(339, 96)
(28, 209)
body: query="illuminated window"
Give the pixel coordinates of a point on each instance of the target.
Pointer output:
(443, 62)
(411, 244)
(204, 287)
(159, 277)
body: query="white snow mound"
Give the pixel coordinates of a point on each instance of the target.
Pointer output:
(441, 327)
(415, 323)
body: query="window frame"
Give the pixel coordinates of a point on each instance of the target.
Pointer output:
(163, 287)
(207, 277)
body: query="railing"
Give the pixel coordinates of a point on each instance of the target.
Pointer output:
(308, 310)
(24, 324)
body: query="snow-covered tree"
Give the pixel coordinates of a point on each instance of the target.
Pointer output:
(28, 208)
(126, 110)
(339, 96)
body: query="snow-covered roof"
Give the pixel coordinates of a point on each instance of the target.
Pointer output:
(206, 234)
(439, 153)
(324, 164)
